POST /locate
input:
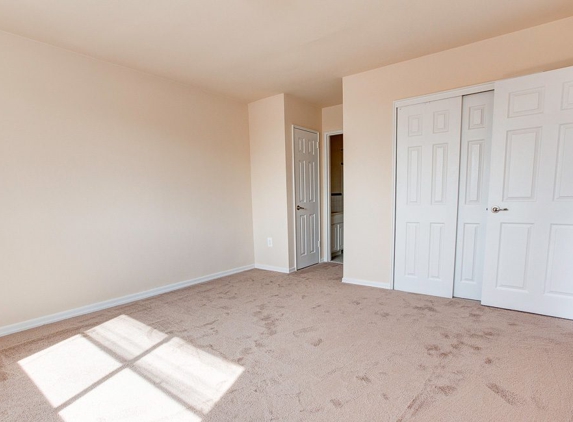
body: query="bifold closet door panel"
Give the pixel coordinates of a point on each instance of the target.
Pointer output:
(428, 148)
(474, 184)
(529, 242)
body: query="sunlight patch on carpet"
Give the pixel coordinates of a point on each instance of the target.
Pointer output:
(195, 376)
(126, 370)
(127, 397)
(126, 336)
(66, 369)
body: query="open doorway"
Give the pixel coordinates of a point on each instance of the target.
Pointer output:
(335, 196)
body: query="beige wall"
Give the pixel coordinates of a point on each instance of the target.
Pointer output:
(112, 181)
(332, 119)
(368, 109)
(270, 125)
(269, 181)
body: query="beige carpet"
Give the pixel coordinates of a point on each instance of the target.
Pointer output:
(261, 346)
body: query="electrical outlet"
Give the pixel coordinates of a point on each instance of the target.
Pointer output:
(270, 242)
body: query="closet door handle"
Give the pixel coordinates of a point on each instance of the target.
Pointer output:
(298, 208)
(495, 210)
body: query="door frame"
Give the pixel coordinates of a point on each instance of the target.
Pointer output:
(442, 95)
(293, 195)
(326, 210)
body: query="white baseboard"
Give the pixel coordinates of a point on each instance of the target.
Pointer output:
(284, 270)
(358, 282)
(48, 319)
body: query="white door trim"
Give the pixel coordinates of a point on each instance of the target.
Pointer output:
(293, 195)
(326, 210)
(474, 89)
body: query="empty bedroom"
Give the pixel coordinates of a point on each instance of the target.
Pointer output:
(286, 211)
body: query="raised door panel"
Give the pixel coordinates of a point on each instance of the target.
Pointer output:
(474, 175)
(439, 173)
(559, 261)
(521, 162)
(468, 258)
(564, 169)
(414, 172)
(513, 255)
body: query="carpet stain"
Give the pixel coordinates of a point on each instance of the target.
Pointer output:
(417, 404)
(364, 378)
(297, 333)
(539, 404)
(459, 344)
(488, 361)
(336, 403)
(509, 396)
(431, 348)
(426, 308)
(446, 390)
(317, 343)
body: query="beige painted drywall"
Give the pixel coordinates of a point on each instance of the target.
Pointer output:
(332, 119)
(112, 181)
(306, 115)
(269, 182)
(270, 124)
(368, 108)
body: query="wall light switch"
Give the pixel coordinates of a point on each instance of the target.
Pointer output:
(270, 242)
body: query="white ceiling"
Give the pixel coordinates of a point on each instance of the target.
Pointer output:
(251, 49)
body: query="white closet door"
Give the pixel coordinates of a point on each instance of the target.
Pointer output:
(529, 246)
(427, 196)
(474, 179)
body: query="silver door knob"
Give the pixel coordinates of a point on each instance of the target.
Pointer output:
(298, 208)
(495, 210)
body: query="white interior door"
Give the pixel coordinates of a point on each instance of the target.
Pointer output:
(474, 183)
(306, 187)
(427, 154)
(529, 245)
